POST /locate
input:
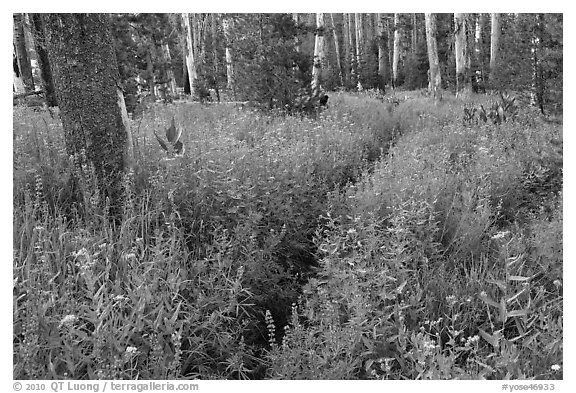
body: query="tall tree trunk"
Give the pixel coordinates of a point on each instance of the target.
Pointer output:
(22, 57)
(463, 80)
(227, 25)
(381, 53)
(296, 20)
(494, 47)
(537, 91)
(479, 51)
(43, 62)
(359, 47)
(346, 42)
(83, 60)
(434, 77)
(150, 76)
(318, 55)
(414, 33)
(191, 63)
(215, 54)
(396, 50)
(353, 63)
(337, 49)
(390, 46)
(18, 84)
(169, 69)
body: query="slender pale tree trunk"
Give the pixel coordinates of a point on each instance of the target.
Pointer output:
(346, 42)
(463, 80)
(215, 53)
(318, 55)
(479, 51)
(169, 70)
(359, 47)
(18, 84)
(227, 25)
(83, 60)
(353, 63)
(414, 33)
(296, 20)
(381, 53)
(390, 46)
(494, 46)
(22, 57)
(337, 49)
(191, 64)
(537, 92)
(151, 78)
(396, 50)
(434, 77)
(43, 62)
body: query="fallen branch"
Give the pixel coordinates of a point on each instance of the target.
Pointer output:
(28, 93)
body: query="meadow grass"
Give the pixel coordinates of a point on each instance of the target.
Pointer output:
(373, 241)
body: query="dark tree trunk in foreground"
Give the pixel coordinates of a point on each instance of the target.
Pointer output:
(83, 60)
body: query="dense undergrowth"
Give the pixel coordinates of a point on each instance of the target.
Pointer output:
(379, 240)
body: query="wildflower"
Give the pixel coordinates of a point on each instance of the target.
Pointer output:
(451, 300)
(129, 256)
(131, 350)
(555, 367)
(68, 320)
(557, 283)
(500, 235)
(429, 345)
(472, 340)
(81, 253)
(483, 294)
(119, 298)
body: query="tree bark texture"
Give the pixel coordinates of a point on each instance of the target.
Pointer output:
(381, 53)
(43, 62)
(359, 46)
(214, 32)
(191, 64)
(318, 55)
(478, 43)
(434, 77)
(494, 46)
(227, 25)
(353, 63)
(414, 33)
(169, 69)
(24, 66)
(396, 57)
(463, 80)
(337, 49)
(81, 53)
(346, 44)
(537, 92)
